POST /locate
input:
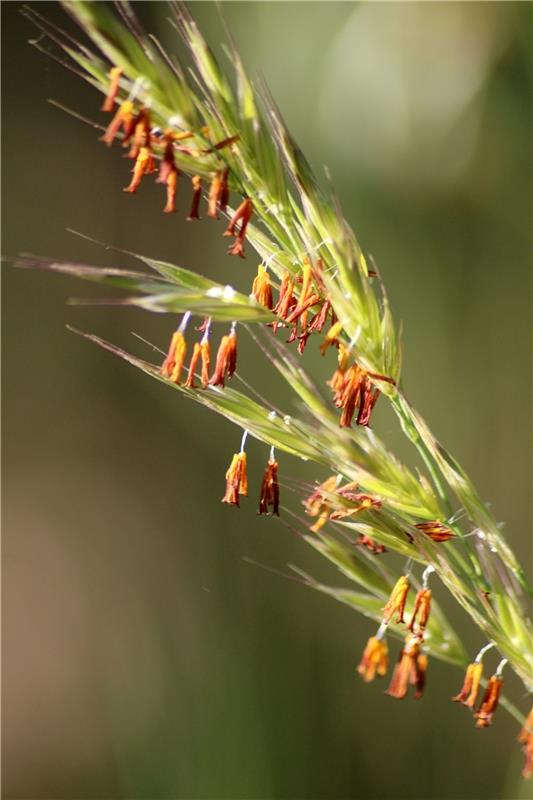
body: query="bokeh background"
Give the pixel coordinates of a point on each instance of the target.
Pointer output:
(144, 658)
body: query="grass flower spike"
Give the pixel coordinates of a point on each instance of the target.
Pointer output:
(315, 291)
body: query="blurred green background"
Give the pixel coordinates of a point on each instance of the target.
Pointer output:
(143, 658)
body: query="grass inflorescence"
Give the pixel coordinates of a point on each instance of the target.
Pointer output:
(224, 134)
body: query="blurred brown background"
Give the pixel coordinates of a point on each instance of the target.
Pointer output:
(143, 658)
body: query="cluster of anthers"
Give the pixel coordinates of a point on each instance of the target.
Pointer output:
(412, 663)
(489, 703)
(302, 305)
(332, 502)
(225, 364)
(147, 144)
(237, 482)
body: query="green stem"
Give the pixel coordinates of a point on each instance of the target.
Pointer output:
(413, 435)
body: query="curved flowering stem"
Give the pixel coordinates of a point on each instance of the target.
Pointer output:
(314, 282)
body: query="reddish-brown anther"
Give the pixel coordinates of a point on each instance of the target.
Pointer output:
(226, 361)
(370, 544)
(167, 163)
(173, 363)
(410, 669)
(301, 308)
(368, 399)
(241, 218)
(469, 691)
(419, 675)
(218, 193)
(293, 334)
(269, 495)
(230, 140)
(313, 504)
(206, 361)
(375, 659)
(349, 396)
(331, 337)
(128, 130)
(436, 531)
(286, 297)
(489, 704)
(302, 340)
(236, 479)
(122, 120)
(144, 165)
(319, 319)
(319, 502)
(138, 134)
(196, 197)
(195, 358)
(172, 186)
(420, 613)
(168, 174)
(215, 193)
(396, 602)
(261, 287)
(307, 297)
(337, 380)
(363, 502)
(237, 248)
(114, 78)
(224, 194)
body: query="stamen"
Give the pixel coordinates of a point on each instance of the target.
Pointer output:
(184, 322)
(173, 363)
(489, 704)
(410, 669)
(207, 329)
(261, 288)
(114, 77)
(205, 349)
(375, 659)
(197, 196)
(396, 602)
(236, 479)
(500, 667)
(269, 494)
(144, 165)
(195, 358)
(482, 652)
(436, 531)
(425, 575)
(242, 215)
(123, 119)
(382, 630)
